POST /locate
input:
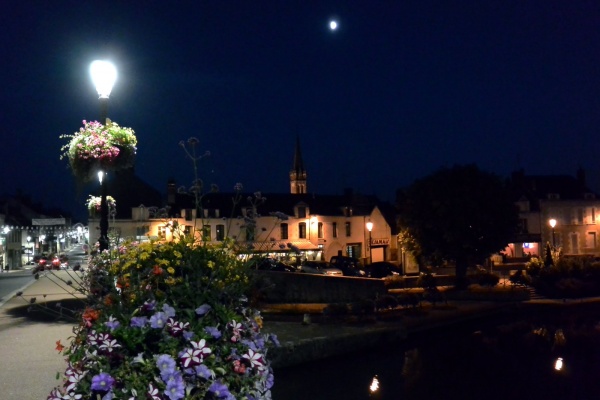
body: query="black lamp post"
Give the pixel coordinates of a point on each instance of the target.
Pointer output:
(104, 75)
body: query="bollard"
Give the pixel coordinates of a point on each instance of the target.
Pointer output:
(306, 319)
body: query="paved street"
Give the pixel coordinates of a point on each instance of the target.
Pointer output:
(27, 345)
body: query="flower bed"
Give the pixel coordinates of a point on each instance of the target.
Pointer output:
(168, 321)
(98, 147)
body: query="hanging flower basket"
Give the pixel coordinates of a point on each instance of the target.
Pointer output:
(93, 204)
(98, 147)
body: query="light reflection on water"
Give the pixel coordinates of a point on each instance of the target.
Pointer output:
(504, 358)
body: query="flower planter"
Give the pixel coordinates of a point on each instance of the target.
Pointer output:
(100, 148)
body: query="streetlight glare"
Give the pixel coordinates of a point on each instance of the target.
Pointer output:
(552, 222)
(104, 75)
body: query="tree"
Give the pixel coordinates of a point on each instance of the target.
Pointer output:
(459, 214)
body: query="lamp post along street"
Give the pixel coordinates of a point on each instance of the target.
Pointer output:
(370, 228)
(104, 75)
(552, 223)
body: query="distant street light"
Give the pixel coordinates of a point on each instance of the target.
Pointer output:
(104, 75)
(30, 252)
(552, 223)
(370, 228)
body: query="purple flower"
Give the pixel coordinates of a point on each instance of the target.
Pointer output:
(273, 338)
(270, 381)
(149, 305)
(213, 331)
(158, 320)
(172, 377)
(219, 389)
(166, 365)
(188, 335)
(170, 311)
(175, 389)
(203, 371)
(203, 309)
(139, 322)
(112, 323)
(102, 382)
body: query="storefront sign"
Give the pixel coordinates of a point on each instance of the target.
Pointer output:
(380, 242)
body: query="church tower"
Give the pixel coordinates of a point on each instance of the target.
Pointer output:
(298, 173)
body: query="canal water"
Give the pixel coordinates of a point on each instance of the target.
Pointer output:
(532, 353)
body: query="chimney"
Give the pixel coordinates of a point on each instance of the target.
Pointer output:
(171, 191)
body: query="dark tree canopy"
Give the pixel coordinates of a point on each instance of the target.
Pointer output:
(460, 214)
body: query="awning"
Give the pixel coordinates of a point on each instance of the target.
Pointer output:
(282, 246)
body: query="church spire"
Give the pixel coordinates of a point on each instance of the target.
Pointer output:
(298, 173)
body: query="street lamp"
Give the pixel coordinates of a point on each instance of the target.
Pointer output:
(30, 250)
(552, 223)
(104, 75)
(370, 228)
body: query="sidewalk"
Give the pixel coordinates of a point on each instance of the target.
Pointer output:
(30, 361)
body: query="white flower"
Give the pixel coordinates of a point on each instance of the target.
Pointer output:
(255, 359)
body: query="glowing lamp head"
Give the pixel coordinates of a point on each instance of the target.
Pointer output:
(369, 226)
(374, 386)
(552, 223)
(558, 364)
(104, 75)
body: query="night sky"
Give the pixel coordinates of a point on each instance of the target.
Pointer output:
(400, 89)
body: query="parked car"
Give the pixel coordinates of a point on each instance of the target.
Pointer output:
(382, 269)
(269, 264)
(350, 266)
(320, 268)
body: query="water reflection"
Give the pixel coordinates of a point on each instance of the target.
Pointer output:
(512, 358)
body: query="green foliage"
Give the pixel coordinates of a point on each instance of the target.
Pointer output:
(427, 280)
(519, 278)
(548, 259)
(570, 276)
(460, 214)
(483, 277)
(175, 300)
(534, 266)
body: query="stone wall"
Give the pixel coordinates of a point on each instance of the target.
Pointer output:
(284, 287)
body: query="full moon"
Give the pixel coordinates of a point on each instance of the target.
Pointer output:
(333, 25)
